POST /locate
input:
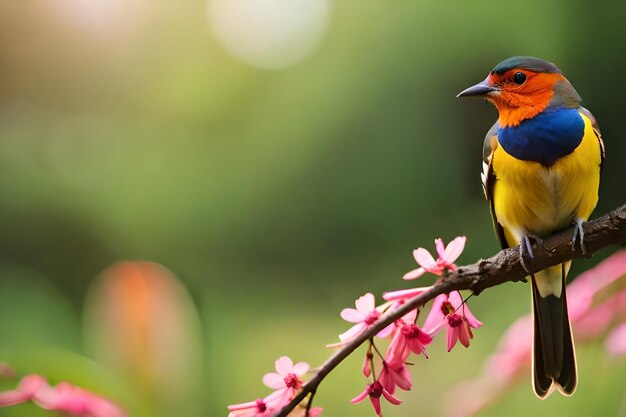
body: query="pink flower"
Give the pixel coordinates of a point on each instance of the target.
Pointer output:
(444, 262)
(76, 401)
(374, 391)
(598, 318)
(395, 375)
(458, 329)
(449, 310)
(25, 391)
(64, 397)
(286, 380)
(514, 351)
(365, 315)
(408, 338)
(581, 292)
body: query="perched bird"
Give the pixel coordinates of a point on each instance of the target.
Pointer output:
(541, 172)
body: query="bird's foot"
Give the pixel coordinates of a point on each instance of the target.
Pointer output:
(579, 234)
(525, 248)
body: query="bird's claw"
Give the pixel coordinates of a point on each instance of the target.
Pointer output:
(525, 248)
(579, 234)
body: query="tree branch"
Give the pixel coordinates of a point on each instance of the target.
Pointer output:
(504, 266)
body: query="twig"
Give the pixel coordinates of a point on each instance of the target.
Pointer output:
(504, 266)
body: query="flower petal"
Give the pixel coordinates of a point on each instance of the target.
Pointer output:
(360, 397)
(401, 377)
(393, 400)
(387, 331)
(242, 406)
(366, 303)
(351, 315)
(424, 258)
(352, 332)
(433, 321)
(452, 334)
(404, 294)
(454, 249)
(376, 404)
(300, 368)
(441, 249)
(386, 379)
(465, 334)
(463, 309)
(397, 351)
(416, 273)
(284, 365)
(473, 322)
(455, 299)
(274, 381)
(409, 317)
(279, 399)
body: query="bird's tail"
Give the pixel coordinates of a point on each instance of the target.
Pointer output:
(554, 359)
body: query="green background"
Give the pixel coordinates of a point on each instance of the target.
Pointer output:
(276, 196)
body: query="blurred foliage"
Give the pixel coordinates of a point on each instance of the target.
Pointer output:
(277, 196)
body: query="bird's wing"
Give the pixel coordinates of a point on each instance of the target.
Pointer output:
(596, 129)
(488, 177)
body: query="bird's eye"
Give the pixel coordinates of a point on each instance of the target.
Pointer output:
(519, 78)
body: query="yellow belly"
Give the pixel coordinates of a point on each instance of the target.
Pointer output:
(532, 199)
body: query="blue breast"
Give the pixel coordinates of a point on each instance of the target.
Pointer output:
(547, 137)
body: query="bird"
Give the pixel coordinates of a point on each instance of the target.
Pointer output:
(542, 161)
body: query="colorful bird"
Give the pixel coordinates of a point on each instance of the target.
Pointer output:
(541, 172)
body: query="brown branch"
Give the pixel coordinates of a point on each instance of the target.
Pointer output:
(504, 266)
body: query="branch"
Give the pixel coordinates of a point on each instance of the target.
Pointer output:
(504, 266)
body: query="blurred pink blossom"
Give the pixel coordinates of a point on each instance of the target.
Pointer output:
(64, 397)
(590, 320)
(25, 391)
(374, 392)
(616, 341)
(76, 401)
(445, 261)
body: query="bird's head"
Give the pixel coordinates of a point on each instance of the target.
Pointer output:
(521, 87)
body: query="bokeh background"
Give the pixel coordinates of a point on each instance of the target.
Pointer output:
(279, 158)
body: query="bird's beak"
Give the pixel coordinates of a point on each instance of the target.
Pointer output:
(479, 90)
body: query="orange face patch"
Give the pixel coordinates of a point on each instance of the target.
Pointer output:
(516, 102)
